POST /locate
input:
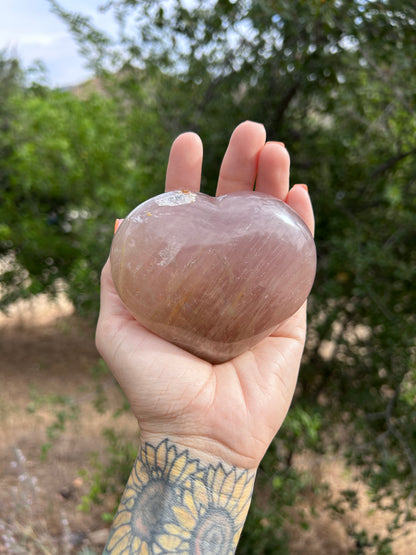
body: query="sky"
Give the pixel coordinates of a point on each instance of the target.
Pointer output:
(30, 31)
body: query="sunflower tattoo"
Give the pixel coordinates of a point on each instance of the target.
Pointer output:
(174, 504)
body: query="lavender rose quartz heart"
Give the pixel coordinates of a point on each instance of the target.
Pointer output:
(213, 275)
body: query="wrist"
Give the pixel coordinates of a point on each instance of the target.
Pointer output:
(176, 500)
(209, 451)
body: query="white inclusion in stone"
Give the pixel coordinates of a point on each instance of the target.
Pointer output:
(168, 254)
(176, 198)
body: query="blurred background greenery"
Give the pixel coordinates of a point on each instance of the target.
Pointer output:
(336, 81)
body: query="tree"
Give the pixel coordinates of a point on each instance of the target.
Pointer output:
(70, 166)
(10, 81)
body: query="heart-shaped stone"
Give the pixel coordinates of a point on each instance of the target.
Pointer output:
(213, 275)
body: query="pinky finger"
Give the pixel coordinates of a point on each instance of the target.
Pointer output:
(299, 200)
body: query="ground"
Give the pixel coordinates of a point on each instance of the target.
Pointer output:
(47, 357)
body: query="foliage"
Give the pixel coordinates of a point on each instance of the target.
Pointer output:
(63, 408)
(336, 81)
(69, 168)
(279, 484)
(105, 477)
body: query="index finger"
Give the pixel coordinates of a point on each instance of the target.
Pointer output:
(185, 163)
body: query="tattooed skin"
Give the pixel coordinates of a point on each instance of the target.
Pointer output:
(174, 503)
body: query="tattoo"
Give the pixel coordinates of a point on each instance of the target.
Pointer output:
(175, 504)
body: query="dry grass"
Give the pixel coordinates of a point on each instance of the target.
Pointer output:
(46, 351)
(328, 530)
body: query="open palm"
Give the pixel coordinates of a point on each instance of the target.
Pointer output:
(229, 411)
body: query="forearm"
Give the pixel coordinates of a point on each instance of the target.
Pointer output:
(175, 502)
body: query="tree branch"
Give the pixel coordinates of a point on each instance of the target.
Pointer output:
(392, 161)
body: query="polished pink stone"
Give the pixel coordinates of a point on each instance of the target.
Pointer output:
(213, 275)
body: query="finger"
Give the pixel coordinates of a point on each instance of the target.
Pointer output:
(118, 223)
(294, 327)
(185, 163)
(298, 198)
(288, 338)
(111, 306)
(239, 165)
(273, 170)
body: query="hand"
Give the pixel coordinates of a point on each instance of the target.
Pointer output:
(231, 411)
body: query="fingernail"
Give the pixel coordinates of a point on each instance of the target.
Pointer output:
(253, 123)
(303, 185)
(277, 143)
(117, 224)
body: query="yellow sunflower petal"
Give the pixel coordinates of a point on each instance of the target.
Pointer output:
(124, 543)
(228, 487)
(129, 492)
(201, 495)
(123, 517)
(189, 503)
(240, 483)
(148, 454)
(177, 531)
(161, 455)
(217, 480)
(239, 507)
(182, 469)
(210, 477)
(130, 503)
(168, 542)
(139, 476)
(136, 544)
(118, 536)
(179, 466)
(185, 474)
(185, 518)
(242, 492)
(247, 490)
